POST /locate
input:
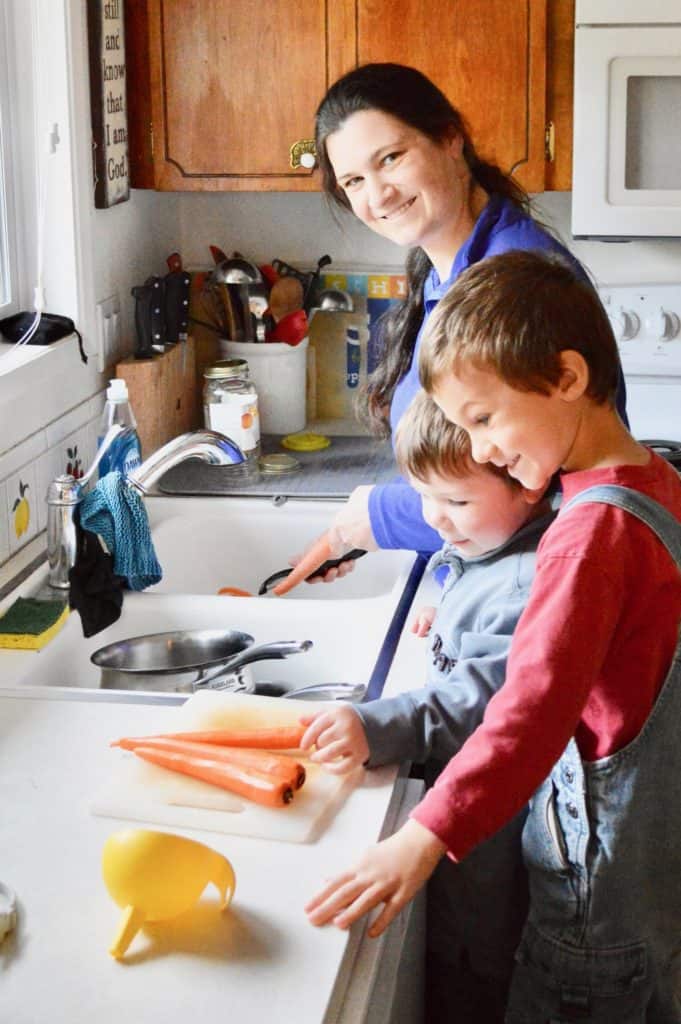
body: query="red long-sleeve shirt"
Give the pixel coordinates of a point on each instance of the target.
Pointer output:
(588, 658)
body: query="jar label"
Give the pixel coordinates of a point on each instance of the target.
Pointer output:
(236, 416)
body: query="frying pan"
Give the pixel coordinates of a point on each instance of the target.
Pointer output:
(186, 660)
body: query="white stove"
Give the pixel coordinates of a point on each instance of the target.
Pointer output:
(646, 320)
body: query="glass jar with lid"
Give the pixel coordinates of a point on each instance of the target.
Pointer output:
(230, 404)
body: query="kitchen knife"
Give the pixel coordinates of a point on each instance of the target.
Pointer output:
(144, 296)
(158, 322)
(177, 284)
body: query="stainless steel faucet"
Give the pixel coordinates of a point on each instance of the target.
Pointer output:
(65, 493)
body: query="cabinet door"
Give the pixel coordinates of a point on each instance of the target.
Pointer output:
(487, 56)
(234, 84)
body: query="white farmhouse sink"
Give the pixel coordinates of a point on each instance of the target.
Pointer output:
(347, 636)
(205, 543)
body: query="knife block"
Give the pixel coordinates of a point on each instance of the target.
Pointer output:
(163, 395)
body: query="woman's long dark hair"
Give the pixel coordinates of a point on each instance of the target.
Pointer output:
(406, 94)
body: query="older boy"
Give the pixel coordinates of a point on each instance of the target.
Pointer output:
(522, 356)
(490, 525)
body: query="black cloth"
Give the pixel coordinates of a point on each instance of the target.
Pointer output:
(96, 591)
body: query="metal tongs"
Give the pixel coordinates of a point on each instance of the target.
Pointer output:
(315, 563)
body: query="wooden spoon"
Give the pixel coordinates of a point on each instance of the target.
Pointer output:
(285, 297)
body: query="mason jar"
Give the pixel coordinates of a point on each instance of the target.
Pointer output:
(230, 404)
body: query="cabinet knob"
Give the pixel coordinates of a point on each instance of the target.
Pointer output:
(303, 154)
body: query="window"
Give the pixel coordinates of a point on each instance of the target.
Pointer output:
(18, 180)
(9, 271)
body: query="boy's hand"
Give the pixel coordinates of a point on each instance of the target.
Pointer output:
(423, 621)
(339, 738)
(389, 873)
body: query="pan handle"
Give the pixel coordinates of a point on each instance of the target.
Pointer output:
(260, 652)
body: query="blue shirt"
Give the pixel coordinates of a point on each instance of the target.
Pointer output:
(395, 508)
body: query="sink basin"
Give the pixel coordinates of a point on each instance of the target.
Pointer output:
(207, 543)
(346, 640)
(204, 544)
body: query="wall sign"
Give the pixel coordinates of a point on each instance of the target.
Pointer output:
(106, 36)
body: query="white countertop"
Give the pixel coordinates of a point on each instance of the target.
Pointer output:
(259, 960)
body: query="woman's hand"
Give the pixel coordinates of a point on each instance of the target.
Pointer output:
(351, 528)
(389, 873)
(424, 620)
(339, 737)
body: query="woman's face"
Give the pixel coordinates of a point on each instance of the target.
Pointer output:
(402, 184)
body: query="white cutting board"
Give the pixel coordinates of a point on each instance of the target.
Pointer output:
(145, 792)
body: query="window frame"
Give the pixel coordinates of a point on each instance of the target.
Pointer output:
(12, 162)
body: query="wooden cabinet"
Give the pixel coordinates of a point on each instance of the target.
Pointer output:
(220, 90)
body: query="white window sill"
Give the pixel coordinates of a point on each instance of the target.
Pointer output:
(14, 356)
(34, 362)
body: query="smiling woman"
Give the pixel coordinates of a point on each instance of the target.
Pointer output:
(397, 154)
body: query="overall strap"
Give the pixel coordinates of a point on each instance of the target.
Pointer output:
(649, 511)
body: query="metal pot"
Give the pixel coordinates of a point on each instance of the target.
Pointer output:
(187, 660)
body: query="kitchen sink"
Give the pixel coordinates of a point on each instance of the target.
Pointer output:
(347, 637)
(207, 543)
(204, 544)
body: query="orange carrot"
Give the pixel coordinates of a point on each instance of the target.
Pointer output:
(280, 766)
(262, 789)
(318, 553)
(279, 737)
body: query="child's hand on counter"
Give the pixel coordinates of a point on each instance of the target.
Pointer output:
(339, 738)
(391, 873)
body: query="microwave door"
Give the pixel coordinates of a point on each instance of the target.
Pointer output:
(645, 132)
(627, 133)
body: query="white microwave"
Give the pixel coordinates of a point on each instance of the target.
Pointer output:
(626, 176)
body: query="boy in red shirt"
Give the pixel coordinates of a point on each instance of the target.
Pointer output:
(521, 355)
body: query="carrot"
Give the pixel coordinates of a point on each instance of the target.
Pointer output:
(280, 766)
(279, 737)
(262, 789)
(318, 553)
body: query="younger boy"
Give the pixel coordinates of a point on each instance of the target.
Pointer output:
(522, 356)
(490, 525)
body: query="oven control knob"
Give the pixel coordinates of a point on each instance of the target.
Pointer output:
(663, 325)
(625, 324)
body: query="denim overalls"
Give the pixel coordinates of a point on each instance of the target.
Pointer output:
(602, 846)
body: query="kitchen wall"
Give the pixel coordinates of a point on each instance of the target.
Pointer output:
(300, 228)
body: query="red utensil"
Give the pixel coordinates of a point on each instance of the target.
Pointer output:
(217, 254)
(291, 329)
(269, 273)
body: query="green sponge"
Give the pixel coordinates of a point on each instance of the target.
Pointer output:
(30, 623)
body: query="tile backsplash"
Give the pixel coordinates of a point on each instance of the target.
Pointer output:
(66, 445)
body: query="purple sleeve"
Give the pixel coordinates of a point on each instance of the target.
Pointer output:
(397, 521)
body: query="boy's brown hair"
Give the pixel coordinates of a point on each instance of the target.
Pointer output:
(426, 442)
(514, 314)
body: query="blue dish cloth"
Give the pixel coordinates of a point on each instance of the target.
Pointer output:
(115, 511)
